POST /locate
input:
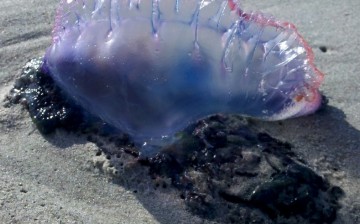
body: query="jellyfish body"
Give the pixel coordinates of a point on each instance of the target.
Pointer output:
(150, 68)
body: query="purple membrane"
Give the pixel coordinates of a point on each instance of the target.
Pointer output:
(150, 68)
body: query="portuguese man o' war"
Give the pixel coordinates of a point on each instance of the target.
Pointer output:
(152, 67)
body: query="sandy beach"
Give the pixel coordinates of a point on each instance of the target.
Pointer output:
(59, 178)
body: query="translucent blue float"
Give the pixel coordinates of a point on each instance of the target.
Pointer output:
(150, 68)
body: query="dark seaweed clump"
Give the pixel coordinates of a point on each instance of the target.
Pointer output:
(47, 105)
(228, 170)
(224, 167)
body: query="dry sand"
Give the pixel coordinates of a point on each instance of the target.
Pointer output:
(51, 179)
